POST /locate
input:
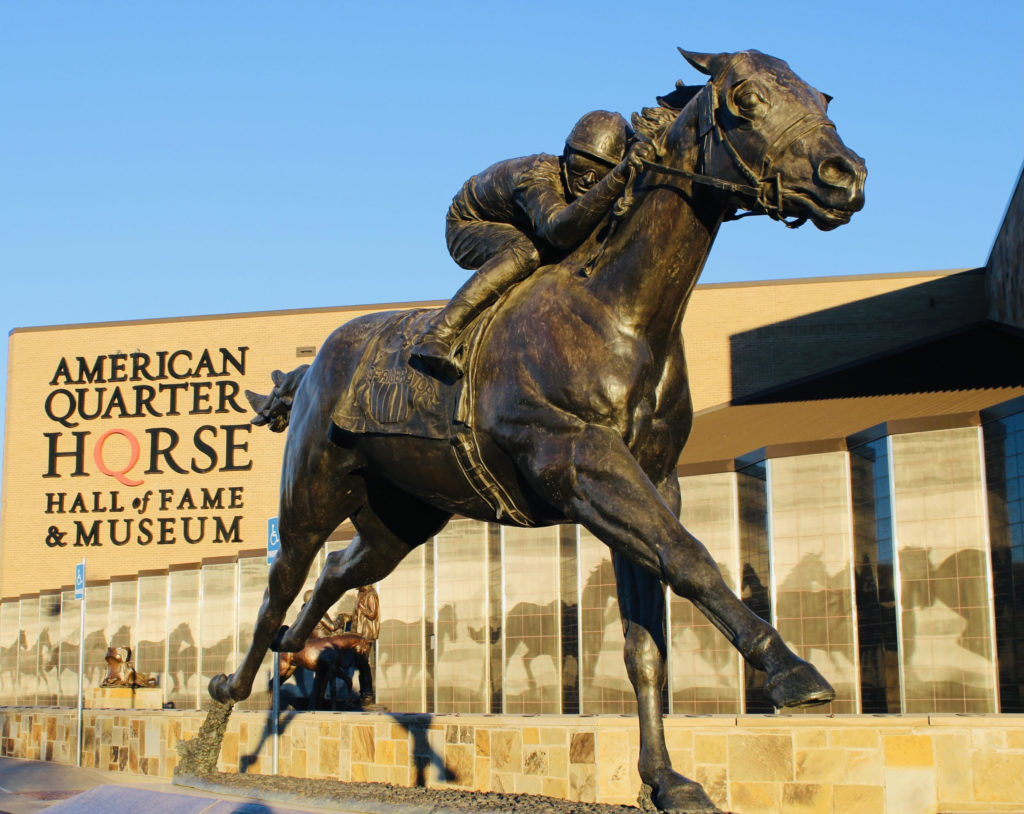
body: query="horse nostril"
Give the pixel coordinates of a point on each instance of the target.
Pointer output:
(836, 171)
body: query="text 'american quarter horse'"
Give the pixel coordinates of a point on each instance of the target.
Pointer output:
(575, 405)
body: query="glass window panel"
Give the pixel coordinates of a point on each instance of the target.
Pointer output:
(217, 623)
(705, 668)
(70, 636)
(28, 657)
(252, 584)
(151, 627)
(97, 637)
(755, 569)
(401, 647)
(49, 649)
(604, 685)
(948, 659)
(873, 578)
(461, 645)
(10, 644)
(1004, 467)
(811, 549)
(124, 609)
(532, 621)
(182, 685)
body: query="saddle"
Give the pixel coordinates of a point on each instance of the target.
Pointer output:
(388, 395)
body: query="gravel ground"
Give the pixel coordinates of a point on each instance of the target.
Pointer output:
(382, 798)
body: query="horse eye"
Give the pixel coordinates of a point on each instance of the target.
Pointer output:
(749, 100)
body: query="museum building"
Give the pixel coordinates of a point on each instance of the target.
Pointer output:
(856, 467)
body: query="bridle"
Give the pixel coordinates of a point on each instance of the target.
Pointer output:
(763, 185)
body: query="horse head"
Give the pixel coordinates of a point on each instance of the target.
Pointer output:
(766, 143)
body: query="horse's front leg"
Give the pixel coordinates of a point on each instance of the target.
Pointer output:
(642, 605)
(590, 472)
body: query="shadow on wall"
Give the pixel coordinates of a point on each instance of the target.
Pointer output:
(788, 351)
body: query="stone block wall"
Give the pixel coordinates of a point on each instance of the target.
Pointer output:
(750, 764)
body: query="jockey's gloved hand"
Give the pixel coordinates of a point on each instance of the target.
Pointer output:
(640, 151)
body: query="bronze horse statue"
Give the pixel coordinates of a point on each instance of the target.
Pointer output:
(579, 398)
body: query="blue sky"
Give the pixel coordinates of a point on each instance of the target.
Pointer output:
(170, 159)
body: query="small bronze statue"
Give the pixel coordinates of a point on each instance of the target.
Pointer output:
(366, 616)
(121, 672)
(575, 403)
(520, 213)
(330, 658)
(332, 652)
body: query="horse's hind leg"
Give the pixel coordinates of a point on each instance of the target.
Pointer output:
(390, 523)
(314, 501)
(642, 605)
(301, 539)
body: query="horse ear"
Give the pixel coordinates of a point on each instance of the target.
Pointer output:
(702, 62)
(707, 64)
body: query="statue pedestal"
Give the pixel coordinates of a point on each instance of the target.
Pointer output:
(125, 698)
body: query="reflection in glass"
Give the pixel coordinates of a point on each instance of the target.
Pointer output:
(10, 645)
(873, 578)
(1004, 473)
(705, 668)
(151, 627)
(252, 583)
(181, 687)
(28, 658)
(49, 649)
(401, 652)
(755, 569)
(217, 624)
(97, 615)
(532, 621)
(462, 630)
(604, 685)
(948, 659)
(124, 608)
(70, 634)
(811, 563)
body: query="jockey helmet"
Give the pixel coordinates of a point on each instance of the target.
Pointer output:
(600, 135)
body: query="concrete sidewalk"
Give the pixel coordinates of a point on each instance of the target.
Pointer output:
(28, 786)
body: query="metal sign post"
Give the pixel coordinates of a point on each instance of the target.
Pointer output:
(273, 547)
(80, 595)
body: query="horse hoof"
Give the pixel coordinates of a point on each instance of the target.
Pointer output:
(676, 793)
(799, 686)
(220, 690)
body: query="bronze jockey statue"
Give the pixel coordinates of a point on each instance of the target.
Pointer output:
(521, 213)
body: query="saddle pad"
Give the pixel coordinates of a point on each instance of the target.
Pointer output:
(386, 395)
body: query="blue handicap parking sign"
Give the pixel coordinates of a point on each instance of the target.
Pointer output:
(80, 581)
(273, 539)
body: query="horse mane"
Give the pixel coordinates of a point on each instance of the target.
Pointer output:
(651, 122)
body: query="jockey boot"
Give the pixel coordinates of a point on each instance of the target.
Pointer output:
(436, 348)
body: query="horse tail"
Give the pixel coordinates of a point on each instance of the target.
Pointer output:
(274, 410)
